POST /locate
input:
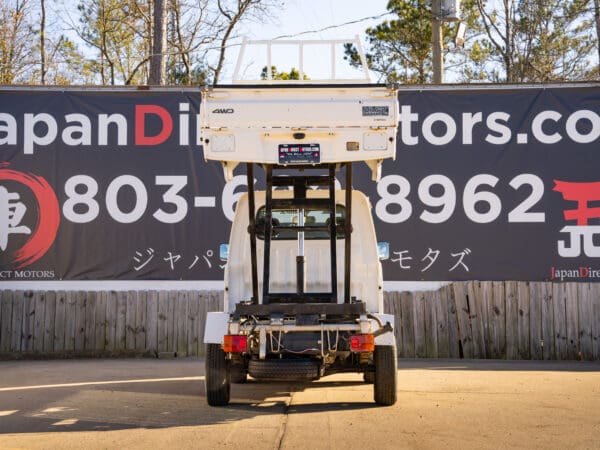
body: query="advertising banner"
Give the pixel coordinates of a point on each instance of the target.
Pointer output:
(489, 183)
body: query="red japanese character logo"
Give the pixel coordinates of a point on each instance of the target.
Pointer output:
(12, 212)
(582, 193)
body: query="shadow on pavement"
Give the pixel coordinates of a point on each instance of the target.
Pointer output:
(116, 395)
(154, 405)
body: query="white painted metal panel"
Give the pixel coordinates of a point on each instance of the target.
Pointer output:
(262, 118)
(366, 275)
(216, 327)
(386, 338)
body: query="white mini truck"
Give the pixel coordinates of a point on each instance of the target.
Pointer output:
(317, 306)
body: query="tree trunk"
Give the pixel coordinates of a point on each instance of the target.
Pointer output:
(242, 7)
(508, 58)
(43, 42)
(597, 19)
(157, 59)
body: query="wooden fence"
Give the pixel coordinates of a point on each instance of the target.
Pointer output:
(104, 323)
(508, 320)
(513, 320)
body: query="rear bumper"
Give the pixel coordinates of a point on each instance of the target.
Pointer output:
(264, 323)
(293, 309)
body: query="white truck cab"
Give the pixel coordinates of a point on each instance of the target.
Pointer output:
(303, 280)
(366, 277)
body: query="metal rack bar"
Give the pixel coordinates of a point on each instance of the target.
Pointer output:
(332, 232)
(300, 201)
(252, 229)
(268, 232)
(348, 233)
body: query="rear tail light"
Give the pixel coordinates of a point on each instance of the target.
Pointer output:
(235, 343)
(362, 343)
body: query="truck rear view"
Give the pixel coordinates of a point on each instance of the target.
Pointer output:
(303, 281)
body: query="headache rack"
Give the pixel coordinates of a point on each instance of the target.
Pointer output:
(300, 201)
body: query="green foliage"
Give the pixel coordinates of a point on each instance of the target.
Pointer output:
(293, 74)
(21, 49)
(197, 35)
(177, 74)
(506, 41)
(15, 36)
(66, 65)
(115, 28)
(472, 62)
(400, 48)
(540, 40)
(512, 40)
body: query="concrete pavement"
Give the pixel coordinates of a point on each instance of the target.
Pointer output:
(142, 403)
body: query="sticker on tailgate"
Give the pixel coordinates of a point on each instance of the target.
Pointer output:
(368, 111)
(299, 154)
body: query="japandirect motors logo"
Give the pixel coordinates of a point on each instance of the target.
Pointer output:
(12, 213)
(581, 235)
(574, 273)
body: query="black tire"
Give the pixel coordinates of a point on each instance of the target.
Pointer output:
(284, 369)
(217, 376)
(386, 374)
(237, 373)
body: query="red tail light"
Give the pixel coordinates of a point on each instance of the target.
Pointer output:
(362, 343)
(234, 343)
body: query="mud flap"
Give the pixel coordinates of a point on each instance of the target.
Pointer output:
(385, 338)
(216, 327)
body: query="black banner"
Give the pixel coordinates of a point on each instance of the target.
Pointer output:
(489, 183)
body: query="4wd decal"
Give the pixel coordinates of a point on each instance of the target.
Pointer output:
(223, 111)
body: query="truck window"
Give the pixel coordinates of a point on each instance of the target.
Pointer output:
(289, 218)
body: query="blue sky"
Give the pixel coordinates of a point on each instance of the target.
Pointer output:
(304, 15)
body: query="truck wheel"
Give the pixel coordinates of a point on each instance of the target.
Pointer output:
(238, 373)
(217, 376)
(386, 374)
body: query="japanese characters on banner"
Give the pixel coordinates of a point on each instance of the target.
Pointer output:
(489, 183)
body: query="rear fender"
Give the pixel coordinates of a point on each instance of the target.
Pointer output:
(385, 338)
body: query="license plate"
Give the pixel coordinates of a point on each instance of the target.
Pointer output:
(299, 154)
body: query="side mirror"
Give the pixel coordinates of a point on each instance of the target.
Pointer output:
(224, 252)
(383, 250)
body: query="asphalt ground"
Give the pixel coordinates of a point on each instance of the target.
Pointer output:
(149, 403)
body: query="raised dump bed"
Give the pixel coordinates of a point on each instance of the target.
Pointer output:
(299, 124)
